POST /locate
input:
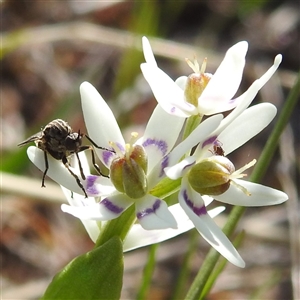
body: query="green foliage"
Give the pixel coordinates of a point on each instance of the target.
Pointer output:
(97, 274)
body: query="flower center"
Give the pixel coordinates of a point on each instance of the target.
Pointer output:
(196, 82)
(128, 171)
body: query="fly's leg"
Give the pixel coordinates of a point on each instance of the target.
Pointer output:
(46, 168)
(65, 162)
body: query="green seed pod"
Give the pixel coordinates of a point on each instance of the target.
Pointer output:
(128, 173)
(211, 176)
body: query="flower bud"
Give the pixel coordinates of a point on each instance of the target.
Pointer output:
(128, 173)
(211, 176)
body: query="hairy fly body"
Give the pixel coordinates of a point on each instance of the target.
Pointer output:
(59, 140)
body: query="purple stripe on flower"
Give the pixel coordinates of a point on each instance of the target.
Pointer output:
(160, 144)
(209, 141)
(91, 187)
(112, 207)
(199, 211)
(164, 164)
(149, 210)
(107, 156)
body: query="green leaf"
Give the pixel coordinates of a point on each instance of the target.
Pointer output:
(97, 274)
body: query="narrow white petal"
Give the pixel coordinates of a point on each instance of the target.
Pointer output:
(225, 82)
(100, 122)
(246, 98)
(181, 82)
(107, 209)
(179, 169)
(190, 201)
(140, 237)
(57, 171)
(260, 195)
(77, 200)
(216, 211)
(93, 185)
(248, 124)
(167, 93)
(199, 134)
(160, 135)
(153, 213)
(148, 53)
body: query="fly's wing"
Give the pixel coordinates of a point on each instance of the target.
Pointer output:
(33, 138)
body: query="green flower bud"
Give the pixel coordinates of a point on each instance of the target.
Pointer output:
(128, 173)
(211, 176)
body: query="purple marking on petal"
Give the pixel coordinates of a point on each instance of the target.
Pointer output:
(121, 147)
(90, 185)
(164, 164)
(209, 141)
(149, 210)
(199, 211)
(187, 166)
(110, 206)
(106, 156)
(173, 109)
(160, 144)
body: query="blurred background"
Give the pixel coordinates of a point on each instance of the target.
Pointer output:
(50, 47)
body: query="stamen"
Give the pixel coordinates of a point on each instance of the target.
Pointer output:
(237, 173)
(243, 189)
(116, 148)
(203, 66)
(194, 66)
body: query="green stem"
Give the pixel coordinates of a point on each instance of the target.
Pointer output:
(258, 172)
(191, 123)
(147, 274)
(117, 227)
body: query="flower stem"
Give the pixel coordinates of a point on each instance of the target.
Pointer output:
(117, 227)
(258, 172)
(190, 124)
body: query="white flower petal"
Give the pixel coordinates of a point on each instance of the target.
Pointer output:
(246, 98)
(160, 135)
(167, 93)
(191, 201)
(216, 211)
(139, 237)
(57, 171)
(260, 195)
(225, 82)
(248, 124)
(100, 121)
(197, 135)
(181, 82)
(179, 169)
(153, 213)
(148, 53)
(77, 200)
(109, 208)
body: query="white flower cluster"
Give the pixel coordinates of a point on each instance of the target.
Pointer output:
(138, 166)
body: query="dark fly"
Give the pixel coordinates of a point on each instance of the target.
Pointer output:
(59, 140)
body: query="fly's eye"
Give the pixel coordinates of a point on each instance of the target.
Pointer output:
(72, 141)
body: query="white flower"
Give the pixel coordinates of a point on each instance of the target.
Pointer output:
(103, 128)
(160, 136)
(237, 128)
(138, 236)
(213, 96)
